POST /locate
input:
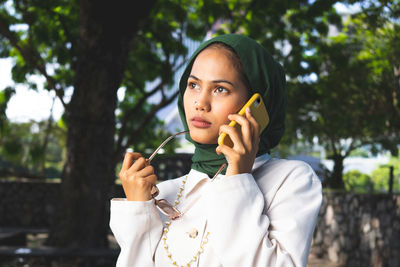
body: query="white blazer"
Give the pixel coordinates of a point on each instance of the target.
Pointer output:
(265, 218)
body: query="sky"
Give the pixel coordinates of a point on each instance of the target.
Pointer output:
(28, 105)
(25, 104)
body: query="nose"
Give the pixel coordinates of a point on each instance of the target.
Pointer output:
(202, 103)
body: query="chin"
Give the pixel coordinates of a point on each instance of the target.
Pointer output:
(201, 139)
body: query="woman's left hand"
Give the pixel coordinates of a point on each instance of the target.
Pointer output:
(245, 143)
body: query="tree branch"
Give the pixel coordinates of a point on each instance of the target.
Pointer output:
(150, 115)
(31, 57)
(140, 127)
(332, 142)
(65, 28)
(130, 113)
(47, 137)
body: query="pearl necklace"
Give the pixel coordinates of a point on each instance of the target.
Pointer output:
(166, 229)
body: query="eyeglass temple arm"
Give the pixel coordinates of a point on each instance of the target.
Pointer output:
(163, 144)
(154, 189)
(219, 170)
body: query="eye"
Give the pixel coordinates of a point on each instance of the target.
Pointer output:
(220, 90)
(192, 85)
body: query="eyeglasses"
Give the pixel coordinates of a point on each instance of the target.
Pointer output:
(162, 204)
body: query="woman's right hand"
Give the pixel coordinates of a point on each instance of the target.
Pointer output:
(137, 177)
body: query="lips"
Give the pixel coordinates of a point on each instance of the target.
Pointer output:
(200, 122)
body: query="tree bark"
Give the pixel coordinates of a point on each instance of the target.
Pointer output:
(106, 33)
(337, 174)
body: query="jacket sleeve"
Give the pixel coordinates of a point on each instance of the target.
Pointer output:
(137, 227)
(250, 229)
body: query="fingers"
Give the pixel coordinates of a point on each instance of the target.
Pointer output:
(128, 160)
(246, 127)
(137, 177)
(152, 179)
(248, 136)
(241, 156)
(140, 168)
(233, 133)
(145, 181)
(146, 171)
(255, 125)
(226, 150)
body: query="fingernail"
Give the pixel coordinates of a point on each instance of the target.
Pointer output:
(248, 110)
(229, 116)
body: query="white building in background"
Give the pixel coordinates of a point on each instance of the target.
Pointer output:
(364, 165)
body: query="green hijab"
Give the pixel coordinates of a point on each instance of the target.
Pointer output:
(266, 77)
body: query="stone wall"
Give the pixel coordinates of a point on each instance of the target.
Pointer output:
(27, 204)
(359, 229)
(32, 203)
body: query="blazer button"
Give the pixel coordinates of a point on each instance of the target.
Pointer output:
(193, 233)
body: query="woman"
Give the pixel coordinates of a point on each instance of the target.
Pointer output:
(259, 211)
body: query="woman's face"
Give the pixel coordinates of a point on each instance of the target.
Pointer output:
(214, 90)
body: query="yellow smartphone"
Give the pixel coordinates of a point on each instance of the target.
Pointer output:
(259, 112)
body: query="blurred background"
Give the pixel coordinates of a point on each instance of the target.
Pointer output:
(83, 81)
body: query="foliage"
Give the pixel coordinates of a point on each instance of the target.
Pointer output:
(378, 26)
(356, 181)
(381, 175)
(381, 54)
(23, 148)
(351, 102)
(377, 181)
(44, 36)
(5, 96)
(295, 32)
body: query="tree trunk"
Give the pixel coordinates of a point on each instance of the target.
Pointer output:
(106, 33)
(337, 174)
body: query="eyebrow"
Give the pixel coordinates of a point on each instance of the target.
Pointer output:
(214, 81)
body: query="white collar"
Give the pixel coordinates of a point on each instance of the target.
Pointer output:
(260, 160)
(196, 178)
